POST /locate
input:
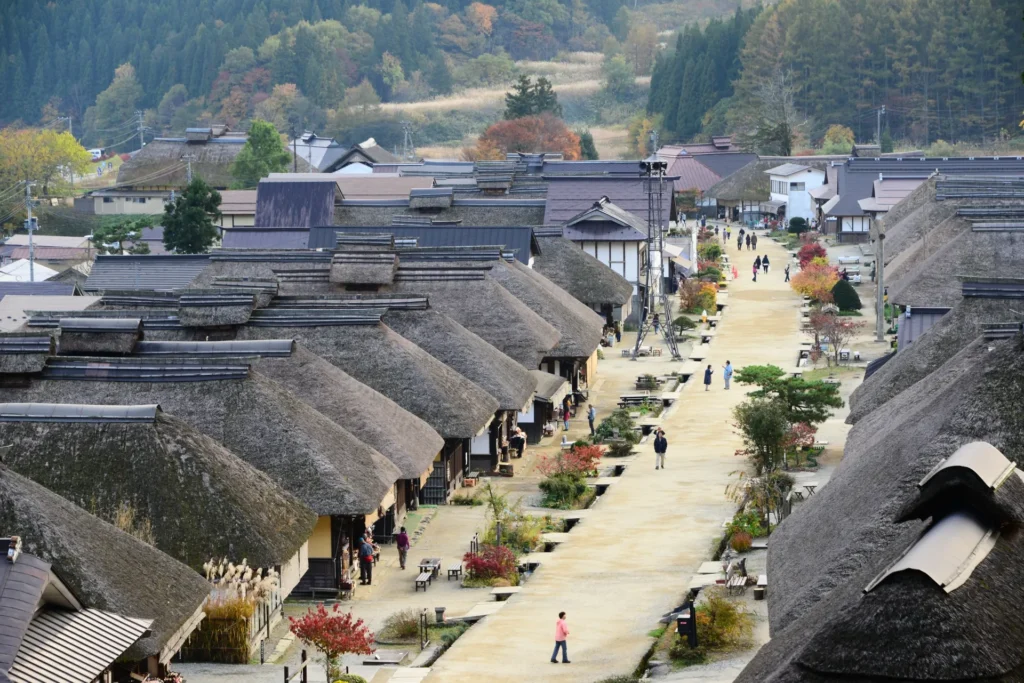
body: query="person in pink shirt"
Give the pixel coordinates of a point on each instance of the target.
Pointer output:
(561, 633)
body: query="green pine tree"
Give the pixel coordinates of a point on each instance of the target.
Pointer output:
(261, 155)
(544, 99)
(519, 102)
(188, 222)
(440, 77)
(587, 148)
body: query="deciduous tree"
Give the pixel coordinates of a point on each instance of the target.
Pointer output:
(837, 329)
(332, 634)
(262, 154)
(543, 133)
(816, 281)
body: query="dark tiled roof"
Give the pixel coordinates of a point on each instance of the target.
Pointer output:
(519, 238)
(266, 238)
(578, 168)
(295, 204)
(37, 288)
(725, 163)
(151, 273)
(605, 221)
(567, 197)
(47, 253)
(693, 175)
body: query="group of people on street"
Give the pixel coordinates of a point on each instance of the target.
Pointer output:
(748, 238)
(762, 262)
(369, 554)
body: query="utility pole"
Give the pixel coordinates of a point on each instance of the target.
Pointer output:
(188, 171)
(880, 284)
(407, 147)
(878, 128)
(72, 131)
(295, 153)
(30, 226)
(142, 140)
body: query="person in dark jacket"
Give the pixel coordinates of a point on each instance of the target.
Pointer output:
(402, 542)
(660, 446)
(764, 262)
(748, 242)
(707, 378)
(365, 562)
(787, 272)
(757, 263)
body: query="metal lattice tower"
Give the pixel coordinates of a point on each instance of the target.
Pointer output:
(654, 185)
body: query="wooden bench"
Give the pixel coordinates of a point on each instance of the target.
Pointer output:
(736, 582)
(455, 571)
(504, 593)
(762, 580)
(423, 580)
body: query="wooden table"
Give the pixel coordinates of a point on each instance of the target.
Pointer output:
(810, 486)
(431, 564)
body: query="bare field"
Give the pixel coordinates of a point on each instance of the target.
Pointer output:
(610, 141)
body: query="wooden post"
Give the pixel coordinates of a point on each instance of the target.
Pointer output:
(305, 668)
(286, 674)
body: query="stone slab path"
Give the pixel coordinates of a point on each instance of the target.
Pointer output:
(629, 561)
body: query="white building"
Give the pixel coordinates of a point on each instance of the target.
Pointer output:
(790, 185)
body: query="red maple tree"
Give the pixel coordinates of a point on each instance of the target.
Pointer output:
(809, 252)
(333, 634)
(578, 460)
(544, 133)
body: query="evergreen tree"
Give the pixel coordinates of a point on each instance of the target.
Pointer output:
(188, 222)
(440, 77)
(545, 99)
(588, 150)
(519, 102)
(261, 155)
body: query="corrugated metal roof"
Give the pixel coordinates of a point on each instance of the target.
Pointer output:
(21, 588)
(787, 169)
(568, 196)
(266, 238)
(154, 273)
(518, 238)
(295, 203)
(51, 253)
(585, 168)
(48, 241)
(73, 647)
(36, 289)
(21, 271)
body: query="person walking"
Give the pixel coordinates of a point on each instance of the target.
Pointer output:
(618, 332)
(402, 542)
(753, 241)
(756, 268)
(707, 379)
(787, 272)
(365, 562)
(764, 262)
(757, 263)
(656, 323)
(739, 243)
(660, 446)
(561, 633)
(566, 403)
(591, 417)
(727, 373)
(748, 242)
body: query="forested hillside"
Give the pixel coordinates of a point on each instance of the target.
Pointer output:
(944, 69)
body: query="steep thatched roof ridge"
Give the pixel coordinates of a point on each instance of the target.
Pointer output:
(935, 281)
(975, 396)
(203, 501)
(506, 380)
(942, 341)
(491, 311)
(105, 568)
(921, 196)
(384, 360)
(580, 274)
(406, 440)
(579, 326)
(311, 457)
(936, 236)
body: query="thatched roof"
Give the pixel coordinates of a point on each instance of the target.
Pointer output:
(486, 308)
(503, 378)
(203, 501)
(848, 524)
(105, 568)
(935, 281)
(580, 274)
(406, 440)
(310, 456)
(396, 367)
(886, 622)
(938, 344)
(750, 183)
(579, 326)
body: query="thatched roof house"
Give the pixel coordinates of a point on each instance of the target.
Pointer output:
(849, 524)
(105, 568)
(579, 273)
(311, 457)
(751, 183)
(935, 603)
(365, 348)
(955, 330)
(202, 500)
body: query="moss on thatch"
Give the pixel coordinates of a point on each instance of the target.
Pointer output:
(99, 336)
(580, 274)
(311, 457)
(202, 500)
(214, 307)
(105, 568)
(364, 268)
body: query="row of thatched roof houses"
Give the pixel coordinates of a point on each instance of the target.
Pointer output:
(273, 404)
(905, 566)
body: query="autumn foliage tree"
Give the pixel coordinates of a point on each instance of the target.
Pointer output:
(816, 280)
(810, 251)
(543, 133)
(837, 329)
(332, 634)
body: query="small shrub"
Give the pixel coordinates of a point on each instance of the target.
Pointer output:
(562, 490)
(620, 449)
(722, 623)
(741, 541)
(466, 499)
(403, 625)
(707, 300)
(581, 459)
(492, 562)
(621, 421)
(798, 225)
(845, 296)
(710, 274)
(453, 633)
(710, 251)
(809, 252)
(350, 678)
(683, 323)
(746, 522)
(682, 654)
